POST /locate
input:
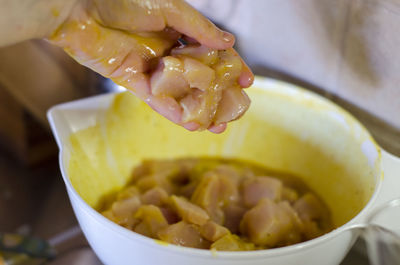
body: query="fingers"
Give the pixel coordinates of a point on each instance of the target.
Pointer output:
(246, 77)
(218, 128)
(155, 15)
(187, 20)
(167, 107)
(191, 126)
(132, 15)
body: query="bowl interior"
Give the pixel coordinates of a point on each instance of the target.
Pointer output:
(286, 129)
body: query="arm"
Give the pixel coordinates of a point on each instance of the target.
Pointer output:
(30, 19)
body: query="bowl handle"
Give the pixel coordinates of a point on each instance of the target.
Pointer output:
(381, 231)
(390, 188)
(385, 211)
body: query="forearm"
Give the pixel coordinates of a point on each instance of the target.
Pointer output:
(29, 19)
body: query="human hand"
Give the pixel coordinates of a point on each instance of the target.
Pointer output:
(134, 42)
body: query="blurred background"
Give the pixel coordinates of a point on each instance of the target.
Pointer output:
(344, 50)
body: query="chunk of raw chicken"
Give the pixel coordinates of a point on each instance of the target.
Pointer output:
(234, 101)
(199, 52)
(311, 230)
(289, 194)
(231, 242)
(228, 68)
(309, 208)
(169, 78)
(204, 82)
(188, 211)
(213, 231)
(233, 215)
(197, 74)
(169, 214)
(126, 206)
(156, 196)
(206, 195)
(128, 192)
(163, 169)
(270, 224)
(152, 220)
(233, 104)
(229, 179)
(255, 189)
(183, 234)
(157, 179)
(200, 106)
(122, 211)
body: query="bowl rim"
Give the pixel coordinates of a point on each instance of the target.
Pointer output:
(254, 254)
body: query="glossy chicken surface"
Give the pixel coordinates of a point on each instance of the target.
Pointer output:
(225, 205)
(189, 83)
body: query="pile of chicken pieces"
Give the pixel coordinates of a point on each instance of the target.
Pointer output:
(210, 204)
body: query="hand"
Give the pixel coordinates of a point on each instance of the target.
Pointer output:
(126, 40)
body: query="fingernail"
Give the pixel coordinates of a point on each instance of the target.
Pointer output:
(191, 126)
(228, 37)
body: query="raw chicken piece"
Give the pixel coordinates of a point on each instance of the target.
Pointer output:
(197, 74)
(255, 189)
(217, 188)
(213, 231)
(219, 90)
(170, 215)
(183, 234)
(163, 169)
(309, 208)
(202, 53)
(200, 106)
(126, 207)
(231, 242)
(187, 190)
(144, 169)
(294, 235)
(128, 192)
(229, 179)
(125, 221)
(234, 102)
(233, 105)
(123, 211)
(143, 229)
(311, 230)
(188, 211)
(168, 79)
(156, 196)
(206, 196)
(289, 194)
(228, 68)
(152, 220)
(270, 224)
(158, 179)
(233, 215)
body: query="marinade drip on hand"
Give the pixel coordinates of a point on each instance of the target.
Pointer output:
(225, 205)
(188, 84)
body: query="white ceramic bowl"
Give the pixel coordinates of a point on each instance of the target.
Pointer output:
(286, 128)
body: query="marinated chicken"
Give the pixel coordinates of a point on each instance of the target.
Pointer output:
(184, 81)
(204, 82)
(220, 204)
